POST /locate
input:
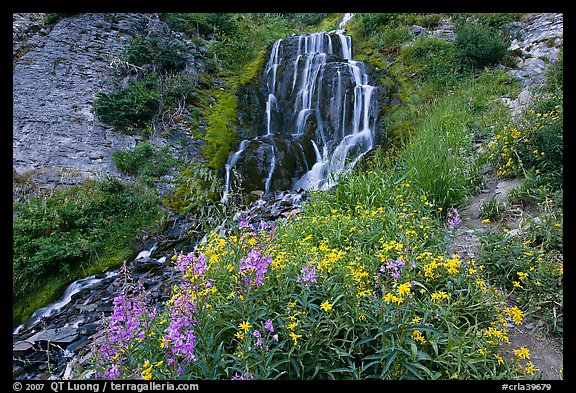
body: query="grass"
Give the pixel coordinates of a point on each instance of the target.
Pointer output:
(72, 233)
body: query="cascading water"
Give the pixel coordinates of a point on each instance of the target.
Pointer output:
(320, 116)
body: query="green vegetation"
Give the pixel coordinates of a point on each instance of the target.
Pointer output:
(362, 284)
(143, 160)
(131, 107)
(479, 46)
(196, 190)
(63, 236)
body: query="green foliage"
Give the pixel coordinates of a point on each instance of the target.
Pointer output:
(133, 106)
(439, 158)
(221, 129)
(534, 144)
(143, 160)
(61, 235)
(533, 276)
(53, 17)
(498, 20)
(555, 74)
(168, 57)
(478, 46)
(196, 189)
(492, 210)
(433, 60)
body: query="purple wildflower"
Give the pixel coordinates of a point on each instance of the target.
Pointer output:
(112, 372)
(254, 266)
(130, 319)
(308, 276)
(243, 222)
(392, 268)
(245, 376)
(268, 326)
(179, 337)
(453, 218)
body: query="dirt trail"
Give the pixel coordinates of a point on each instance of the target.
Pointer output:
(546, 352)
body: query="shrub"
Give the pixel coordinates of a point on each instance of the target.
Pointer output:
(133, 106)
(144, 159)
(434, 60)
(478, 46)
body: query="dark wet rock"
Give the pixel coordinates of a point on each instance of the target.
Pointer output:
(145, 265)
(64, 335)
(77, 345)
(90, 328)
(22, 348)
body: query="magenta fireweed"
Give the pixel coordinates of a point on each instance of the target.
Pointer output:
(130, 320)
(179, 338)
(253, 267)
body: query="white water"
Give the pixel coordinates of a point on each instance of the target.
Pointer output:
(352, 141)
(56, 307)
(228, 168)
(326, 170)
(345, 19)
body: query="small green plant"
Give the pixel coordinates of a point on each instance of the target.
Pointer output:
(492, 210)
(144, 160)
(197, 188)
(131, 107)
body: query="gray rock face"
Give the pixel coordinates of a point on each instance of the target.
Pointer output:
(537, 41)
(54, 87)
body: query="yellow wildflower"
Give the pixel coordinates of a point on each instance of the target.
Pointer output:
(522, 353)
(326, 306)
(404, 289)
(147, 372)
(295, 337)
(244, 326)
(530, 368)
(418, 337)
(439, 296)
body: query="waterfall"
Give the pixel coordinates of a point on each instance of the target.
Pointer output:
(320, 115)
(228, 168)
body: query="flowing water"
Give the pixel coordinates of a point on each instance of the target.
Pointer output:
(320, 104)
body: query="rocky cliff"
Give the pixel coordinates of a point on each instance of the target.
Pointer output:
(58, 71)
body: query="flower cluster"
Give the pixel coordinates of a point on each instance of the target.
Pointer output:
(253, 267)
(128, 323)
(179, 338)
(392, 268)
(453, 218)
(307, 276)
